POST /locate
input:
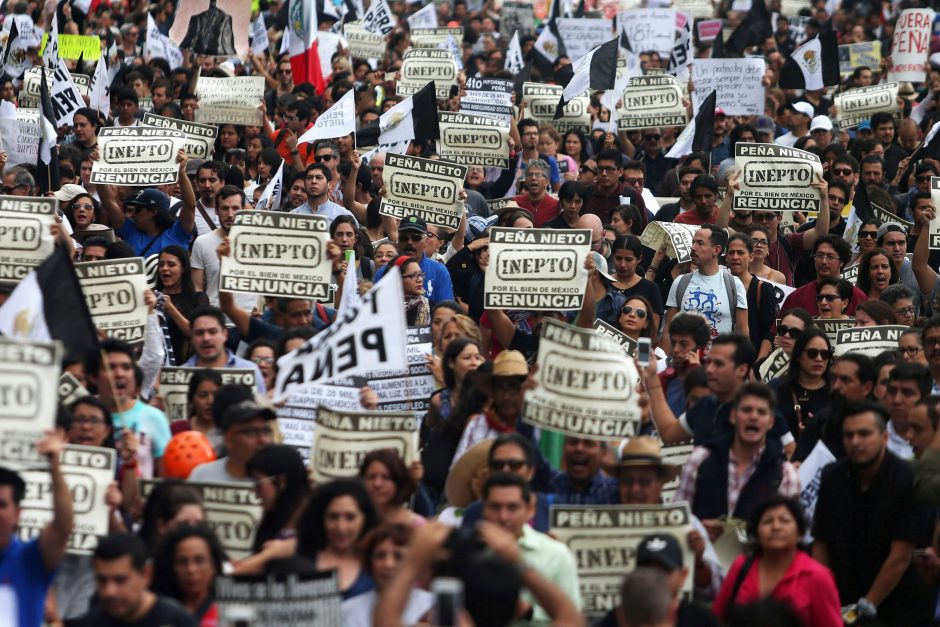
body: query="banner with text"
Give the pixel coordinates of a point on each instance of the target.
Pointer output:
(776, 178)
(420, 65)
(114, 291)
(311, 599)
(25, 235)
(857, 105)
(677, 238)
(488, 96)
(862, 54)
(137, 156)
(427, 188)
(470, 139)
(200, 138)
(174, 385)
(29, 380)
(652, 102)
(870, 341)
(911, 45)
(739, 83)
(362, 43)
(541, 101)
(627, 343)
(230, 100)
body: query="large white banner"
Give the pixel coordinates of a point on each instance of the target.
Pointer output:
(649, 29)
(737, 81)
(114, 291)
(911, 45)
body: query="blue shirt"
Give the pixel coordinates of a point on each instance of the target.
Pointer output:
(139, 241)
(21, 568)
(235, 362)
(540, 522)
(437, 284)
(603, 490)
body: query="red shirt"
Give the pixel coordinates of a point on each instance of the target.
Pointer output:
(543, 211)
(694, 217)
(807, 586)
(805, 298)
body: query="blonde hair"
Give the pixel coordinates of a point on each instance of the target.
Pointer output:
(467, 327)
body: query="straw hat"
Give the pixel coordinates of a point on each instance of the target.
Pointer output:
(507, 364)
(643, 451)
(465, 479)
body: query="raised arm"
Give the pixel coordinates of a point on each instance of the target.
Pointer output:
(926, 276)
(724, 210)
(236, 314)
(55, 535)
(187, 215)
(822, 218)
(669, 427)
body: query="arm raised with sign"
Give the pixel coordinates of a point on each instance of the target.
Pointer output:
(822, 218)
(187, 215)
(55, 535)
(926, 276)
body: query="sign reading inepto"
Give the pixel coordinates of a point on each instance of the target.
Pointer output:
(776, 178)
(114, 292)
(652, 102)
(138, 156)
(421, 65)
(541, 101)
(25, 235)
(423, 187)
(472, 139)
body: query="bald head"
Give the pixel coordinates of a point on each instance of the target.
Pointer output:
(591, 221)
(908, 134)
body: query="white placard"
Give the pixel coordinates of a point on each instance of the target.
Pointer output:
(230, 100)
(649, 29)
(114, 291)
(427, 188)
(137, 156)
(26, 235)
(200, 138)
(776, 178)
(470, 139)
(911, 45)
(421, 65)
(737, 81)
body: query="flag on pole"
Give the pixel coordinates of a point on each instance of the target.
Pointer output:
(378, 18)
(50, 55)
(424, 18)
(814, 65)
(350, 300)
(47, 157)
(337, 121)
(301, 35)
(699, 135)
(514, 61)
(550, 44)
(99, 97)
(414, 118)
(596, 70)
(270, 199)
(14, 61)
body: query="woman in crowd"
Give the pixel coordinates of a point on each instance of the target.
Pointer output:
(876, 272)
(804, 390)
(261, 353)
(867, 238)
(269, 160)
(780, 569)
(345, 234)
(790, 328)
(832, 297)
(417, 306)
(338, 515)
(760, 237)
(571, 197)
(575, 146)
(462, 356)
(761, 301)
(874, 313)
(549, 144)
(170, 504)
(626, 220)
(230, 136)
(185, 567)
(175, 282)
(200, 395)
(626, 253)
(911, 346)
(84, 214)
(384, 253)
(91, 423)
(391, 485)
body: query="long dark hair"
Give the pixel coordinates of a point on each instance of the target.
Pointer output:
(397, 470)
(95, 204)
(164, 578)
(454, 348)
(311, 530)
(164, 502)
(279, 460)
(584, 145)
(864, 270)
(186, 274)
(793, 370)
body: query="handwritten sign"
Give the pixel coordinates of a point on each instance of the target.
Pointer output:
(737, 81)
(911, 45)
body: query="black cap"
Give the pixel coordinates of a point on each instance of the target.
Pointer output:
(413, 223)
(661, 549)
(150, 198)
(245, 410)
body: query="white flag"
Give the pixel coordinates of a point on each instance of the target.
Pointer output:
(450, 44)
(337, 121)
(259, 36)
(270, 199)
(99, 91)
(514, 61)
(159, 46)
(379, 19)
(424, 18)
(50, 56)
(351, 298)
(66, 99)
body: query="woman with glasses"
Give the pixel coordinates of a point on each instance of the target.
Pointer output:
(636, 320)
(901, 299)
(867, 238)
(832, 297)
(417, 306)
(911, 346)
(760, 237)
(875, 273)
(84, 214)
(391, 484)
(804, 390)
(626, 253)
(761, 300)
(261, 352)
(789, 329)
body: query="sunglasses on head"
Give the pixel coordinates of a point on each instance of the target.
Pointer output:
(792, 332)
(630, 309)
(815, 353)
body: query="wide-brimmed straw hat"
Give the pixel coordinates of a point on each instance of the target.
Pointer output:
(466, 476)
(639, 452)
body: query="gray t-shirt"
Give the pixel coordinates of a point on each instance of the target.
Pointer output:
(215, 472)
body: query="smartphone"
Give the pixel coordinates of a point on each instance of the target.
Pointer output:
(448, 601)
(643, 348)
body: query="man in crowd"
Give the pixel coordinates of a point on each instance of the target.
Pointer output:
(318, 203)
(209, 335)
(210, 177)
(535, 197)
(412, 234)
(246, 429)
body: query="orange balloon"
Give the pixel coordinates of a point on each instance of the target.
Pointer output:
(184, 452)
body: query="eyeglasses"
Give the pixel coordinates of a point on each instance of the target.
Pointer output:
(435, 236)
(903, 311)
(584, 169)
(94, 422)
(923, 178)
(845, 172)
(634, 181)
(630, 309)
(764, 217)
(414, 276)
(328, 157)
(287, 71)
(84, 205)
(262, 481)
(867, 234)
(910, 350)
(501, 464)
(792, 332)
(263, 360)
(606, 169)
(824, 257)
(7, 189)
(760, 242)
(815, 353)
(827, 297)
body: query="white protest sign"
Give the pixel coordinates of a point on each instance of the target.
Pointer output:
(675, 455)
(379, 18)
(282, 254)
(114, 291)
(427, 188)
(342, 439)
(213, 27)
(159, 46)
(488, 96)
(470, 139)
(20, 135)
(870, 341)
(699, 9)
(933, 229)
(517, 16)
(174, 386)
(737, 81)
(420, 65)
(856, 105)
(363, 44)
(29, 376)
(911, 45)
(651, 102)
(536, 269)
(585, 385)
(810, 474)
(137, 156)
(776, 178)
(541, 101)
(259, 36)
(230, 100)
(582, 34)
(677, 238)
(70, 389)
(434, 37)
(233, 512)
(649, 29)
(296, 419)
(775, 365)
(831, 327)
(310, 599)
(366, 338)
(65, 95)
(199, 140)
(604, 541)
(410, 389)
(781, 292)
(26, 235)
(88, 470)
(627, 343)
(29, 93)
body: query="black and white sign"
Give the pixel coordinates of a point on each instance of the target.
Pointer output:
(424, 187)
(652, 102)
(542, 100)
(871, 341)
(309, 600)
(470, 139)
(114, 290)
(230, 100)
(421, 65)
(858, 105)
(137, 156)
(200, 138)
(776, 178)
(174, 385)
(25, 235)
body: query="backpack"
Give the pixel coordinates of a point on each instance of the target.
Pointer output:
(730, 288)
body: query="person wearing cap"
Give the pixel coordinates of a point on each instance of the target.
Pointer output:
(820, 129)
(246, 429)
(765, 129)
(412, 237)
(800, 115)
(535, 197)
(892, 237)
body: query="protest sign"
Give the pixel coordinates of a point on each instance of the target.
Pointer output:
(88, 471)
(114, 291)
(781, 292)
(850, 274)
(488, 96)
(627, 343)
(517, 16)
(424, 187)
(25, 235)
(65, 96)
(583, 34)
(19, 134)
(737, 81)
(233, 512)
(70, 389)
(137, 156)
(933, 229)
(585, 385)
(308, 600)
(434, 37)
(72, 47)
(870, 341)
(498, 204)
(707, 30)
(536, 269)
(342, 439)
(174, 384)
(776, 178)
(259, 36)
(368, 337)
(409, 389)
(469, 139)
(862, 54)
(420, 65)
(701, 10)
(297, 417)
(674, 455)
(362, 43)
(832, 327)
(281, 254)
(604, 541)
(29, 377)
(649, 29)
(29, 93)
(230, 100)
(541, 101)
(651, 102)
(810, 474)
(379, 18)
(857, 105)
(199, 138)
(677, 238)
(216, 28)
(775, 365)
(910, 46)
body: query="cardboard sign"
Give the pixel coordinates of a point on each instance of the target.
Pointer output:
(342, 439)
(70, 390)
(810, 474)
(857, 105)
(362, 43)
(73, 47)
(776, 178)
(488, 96)
(296, 419)
(649, 29)
(517, 16)
(585, 385)
(910, 46)
(379, 18)
(469, 139)
(29, 93)
(701, 10)
(25, 235)
(775, 365)
(114, 291)
(420, 65)
(424, 187)
(230, 100)
(200, 138)
(536, 269)
(541, 101)
(707, 30)
(434, 37)
(677, 238)
(627, 343)
(174, 385)
(832, 327)
(850, 274)
(311, 599)
(737, 81)
(88, 470)
(29, 377)
(651, 102)
(137, 156)
(863, 54)
(582, 34)
(604, 541)
(409, 389)
(233, 512)
(20, 135)
(281, 254)
(870, 341)
(933, 229)
(216, 28)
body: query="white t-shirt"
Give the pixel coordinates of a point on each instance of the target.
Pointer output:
(707, 296)
(203, 227)
(205, 258)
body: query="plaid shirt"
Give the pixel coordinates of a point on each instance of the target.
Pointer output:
(603, 490)
(789, 481)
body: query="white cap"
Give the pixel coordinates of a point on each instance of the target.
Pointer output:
(805, 108)
(821, 123)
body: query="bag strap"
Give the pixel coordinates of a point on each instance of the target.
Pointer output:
(152, 242)
(732, 291)
(205, 216)
(740, 578)
(681, 288)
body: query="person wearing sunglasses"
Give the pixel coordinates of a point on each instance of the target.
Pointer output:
(636, 320)
(838, 196)
(866, 238)
(831, 297)
(804, 390)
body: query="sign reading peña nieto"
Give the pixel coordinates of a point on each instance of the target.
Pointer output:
(776, 178)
